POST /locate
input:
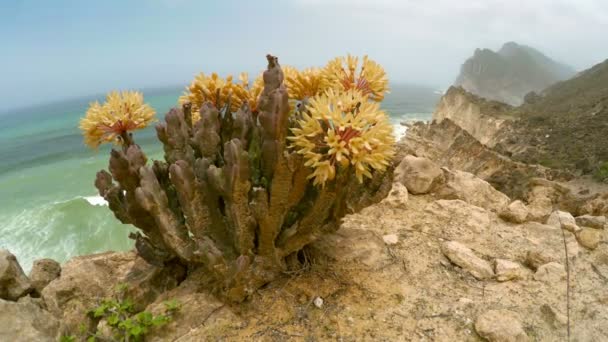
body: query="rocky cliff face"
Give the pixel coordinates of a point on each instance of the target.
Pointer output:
(481, 118)
(563, 127)
(510, 73)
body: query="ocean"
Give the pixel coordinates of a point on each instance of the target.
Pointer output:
(49, 207)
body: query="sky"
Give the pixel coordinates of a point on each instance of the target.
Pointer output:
(54, 50)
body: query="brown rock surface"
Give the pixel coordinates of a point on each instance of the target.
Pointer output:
(13, 282)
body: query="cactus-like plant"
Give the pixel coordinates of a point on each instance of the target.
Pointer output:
(234, 194)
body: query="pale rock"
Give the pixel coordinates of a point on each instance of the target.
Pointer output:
(551, 273)
(537, 258)
(397, 197)
(464, 257)
(500, 326)
(353, 245)
(540, 204)
(550, 240)
(318, 302)
(26, 321)
(508, 270)
(456, 217)
(472, 189)
(43, 272)
(390, 239)
(598, 222)
(564, 220)
(516, 212)
(589, 237)
(557, 318)
(419, 175)
(13, 282)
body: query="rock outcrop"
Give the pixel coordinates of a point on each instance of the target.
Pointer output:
(43, 272)
(483, 119)
(14, 284)
(26, 320)
(511, 73)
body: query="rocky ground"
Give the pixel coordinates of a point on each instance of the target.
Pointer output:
(445, 257)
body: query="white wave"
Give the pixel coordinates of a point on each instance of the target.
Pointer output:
(95, 200)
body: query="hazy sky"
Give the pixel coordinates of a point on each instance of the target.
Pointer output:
(51, 50)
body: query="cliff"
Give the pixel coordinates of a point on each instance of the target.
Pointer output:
(481, 118)
(510, 73)
(563, 127)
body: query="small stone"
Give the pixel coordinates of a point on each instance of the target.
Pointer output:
(564, 220)
(516, 212)
(13, 282)
(598, 222)
(500, 326)
(419, 175)
(465, 301)
(537, 258)
(390, 239)
(397, 197)
(589, 237)
(558, 319)
(507, 270)
(318, 302)
(43, 272)
(552, 273)
(464, 257)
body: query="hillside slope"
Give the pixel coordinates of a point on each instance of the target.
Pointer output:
(509, 74)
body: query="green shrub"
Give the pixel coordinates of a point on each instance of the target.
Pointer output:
(601, 174)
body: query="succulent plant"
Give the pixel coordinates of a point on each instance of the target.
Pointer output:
(233, 196)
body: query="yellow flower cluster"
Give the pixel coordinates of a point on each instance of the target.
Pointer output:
(343, 129)
(340, 74)
(121, 113)
(344, 73)
(221, 92)
(302, 84)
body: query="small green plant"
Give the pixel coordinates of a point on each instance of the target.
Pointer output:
(601, 174)
(126, 324)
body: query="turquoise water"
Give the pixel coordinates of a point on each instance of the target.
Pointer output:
(49, 207)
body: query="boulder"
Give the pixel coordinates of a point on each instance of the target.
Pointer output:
(540, 203)
(419, 175)
(516, 212)
(564, 220)
(508, 270)
(43, 272)
(464, 257)
(500, 326)
(598, 222)
(551, 273)
(13, 282)
(86, 280)
(473, 190)
(397, 197)
(549, 241)
(26, 321)
(589, 237)
(537, 258)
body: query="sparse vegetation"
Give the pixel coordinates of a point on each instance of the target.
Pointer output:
(601, 174)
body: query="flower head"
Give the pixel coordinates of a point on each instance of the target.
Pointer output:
(344, 73)
(303, 84)
(343, 129)
(121, 113)
(246, 92)
(221, 92)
